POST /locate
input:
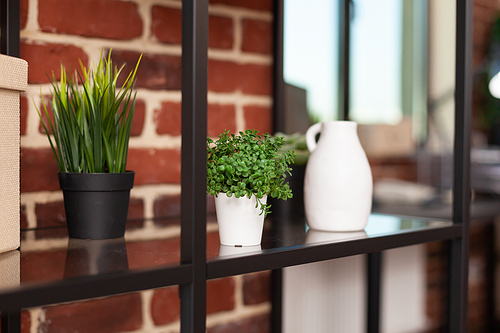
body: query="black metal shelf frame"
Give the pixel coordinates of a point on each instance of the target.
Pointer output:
(94, 286)
(193, 272)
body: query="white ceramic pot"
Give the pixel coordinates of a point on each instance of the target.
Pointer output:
(338, 183)
(239, 221)
(226, 250)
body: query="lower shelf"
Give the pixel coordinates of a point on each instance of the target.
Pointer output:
(72, 270)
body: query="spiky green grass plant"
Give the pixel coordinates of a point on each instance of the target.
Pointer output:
(92, 120)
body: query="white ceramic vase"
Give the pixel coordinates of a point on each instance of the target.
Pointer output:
(338, 183)
(239, 221)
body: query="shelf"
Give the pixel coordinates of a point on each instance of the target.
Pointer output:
(293, 245)
(73, 269)
(482, 208)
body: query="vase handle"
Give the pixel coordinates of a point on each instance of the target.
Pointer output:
(311, 136)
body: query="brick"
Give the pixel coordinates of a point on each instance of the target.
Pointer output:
(24, 220)
(480, 34)
(42, 266)
(166, 27)
(257, 36)
(45, 104)
(210, 205)
(167, 206)
(259, 118)
(165, 305)
(168, 118)
(25, 321)
(436, 307)
(24, 114)
(437, 247)
(484, 15)
(155, 71)
(50, 215)
(166, 24)
(139, 117)
(112, 314)
(494, 5)
(255, 324)
(252, 79)
(213, 244)
(24, 6)
(135, 209)
(167, 209)
(220, 295)
(159, 252)
(263, 5)
(155, 166)
(256, 288)
(256, 79)
(109, 19)
(38, 170)
(220, 32)
(221, 117)
(47, 58)
(223, 76)
(436, 270)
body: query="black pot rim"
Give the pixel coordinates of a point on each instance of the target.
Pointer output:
(96, 182)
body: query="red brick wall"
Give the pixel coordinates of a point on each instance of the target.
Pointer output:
(240, 97)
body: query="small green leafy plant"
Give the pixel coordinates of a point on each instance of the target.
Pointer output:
(92, 121)
(248, 164)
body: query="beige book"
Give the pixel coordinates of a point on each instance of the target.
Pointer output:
(13, 80)
(10, 269)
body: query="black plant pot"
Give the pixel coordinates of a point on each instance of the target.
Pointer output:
(96, 204)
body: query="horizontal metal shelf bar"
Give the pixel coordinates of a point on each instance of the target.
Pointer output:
(298, 255)
(94, 286)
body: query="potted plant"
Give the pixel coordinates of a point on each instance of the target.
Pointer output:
(242, 171)
(91, 131)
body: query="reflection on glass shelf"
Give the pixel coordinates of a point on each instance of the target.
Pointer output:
(316, 236)
(49, 255)
(91, 257)
(286, 234)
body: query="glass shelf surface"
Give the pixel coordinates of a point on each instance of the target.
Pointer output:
(49, 257)
(55, 268)
(283, 235)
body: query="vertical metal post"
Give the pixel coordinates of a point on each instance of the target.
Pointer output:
(10, 13)
(344, 36)
(194, 156)
(278, 126)
(374, 261)
(11, 322)
(277, 300)
(279, 83)
(459, 254)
